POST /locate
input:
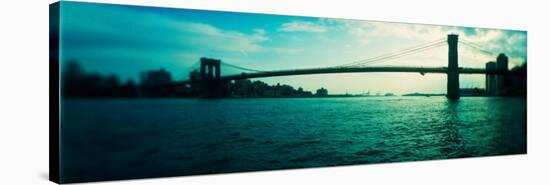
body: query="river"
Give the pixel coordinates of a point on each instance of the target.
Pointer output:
(107, 139)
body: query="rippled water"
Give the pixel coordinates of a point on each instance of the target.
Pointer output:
(105, 139)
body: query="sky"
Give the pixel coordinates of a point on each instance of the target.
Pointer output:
(127, 40)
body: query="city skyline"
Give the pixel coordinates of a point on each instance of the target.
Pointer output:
(107, 39)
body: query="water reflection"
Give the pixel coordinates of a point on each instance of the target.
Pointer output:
(452, 139)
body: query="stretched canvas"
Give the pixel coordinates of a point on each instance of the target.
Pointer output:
(142, 92)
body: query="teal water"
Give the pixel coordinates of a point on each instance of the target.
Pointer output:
(107, 139)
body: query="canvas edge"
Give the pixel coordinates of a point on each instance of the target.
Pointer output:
(54, 92)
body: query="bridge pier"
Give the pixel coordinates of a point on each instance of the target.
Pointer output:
(210, 86)
(453, 86)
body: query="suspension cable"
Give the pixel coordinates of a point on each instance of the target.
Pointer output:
(393, 53)
(377, 59)
(477, 47)
(400, 54)
(241, 68)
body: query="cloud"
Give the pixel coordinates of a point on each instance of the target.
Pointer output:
(286, 50)
(119, 39)
(393, 30)
(513, 43)
(303, 26)
(213, 38)
(92, 27)
(363, 41)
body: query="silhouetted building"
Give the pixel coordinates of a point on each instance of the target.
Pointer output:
(321, 92)
(258, 89)
(194, 88)
(302, 93)
(472, 92)
(129, 89)
(501, 79)
(155, 77)
(76, 82)
(490, 79)
(156, 83)
(518, 81)
(194, 75)
(505, 82)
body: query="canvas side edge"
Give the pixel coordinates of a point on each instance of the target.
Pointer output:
(54, 92)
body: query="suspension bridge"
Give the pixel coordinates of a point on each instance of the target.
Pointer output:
(210, 69)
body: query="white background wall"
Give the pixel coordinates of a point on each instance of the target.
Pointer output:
(24, 91)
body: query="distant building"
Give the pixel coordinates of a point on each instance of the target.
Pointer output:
(507, 82)
(472, 92)
(321, 92)
(153, 83)
(502, 62)
(490, 79)
(389, 94)
(194, 75)
(155, 77)
(518, 81)
(501, 79)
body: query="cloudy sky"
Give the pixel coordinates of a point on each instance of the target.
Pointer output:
(126, 40)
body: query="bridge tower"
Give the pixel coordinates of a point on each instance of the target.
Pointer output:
(453, 91)
(210, 78)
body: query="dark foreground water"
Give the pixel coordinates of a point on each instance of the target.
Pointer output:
(105, 139)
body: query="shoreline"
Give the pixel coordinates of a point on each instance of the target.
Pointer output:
(290, 97)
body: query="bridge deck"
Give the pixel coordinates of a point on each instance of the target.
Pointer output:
(350, 70)
(421, 70)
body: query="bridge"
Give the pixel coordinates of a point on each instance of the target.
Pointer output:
(210, 69)
(421, 70)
